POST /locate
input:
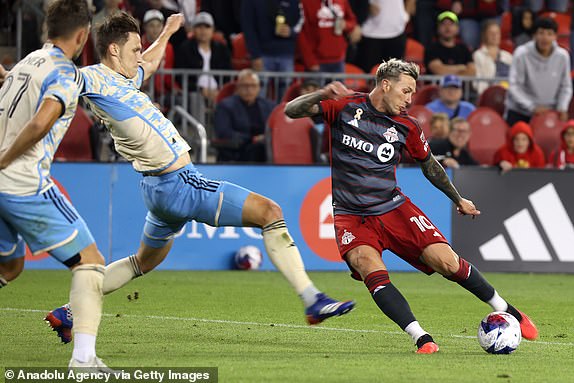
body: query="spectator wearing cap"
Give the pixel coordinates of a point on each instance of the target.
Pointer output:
(539, 76)
(450, 99)
(153, 22)
(200, 51)
(446, 55)
(179, 36)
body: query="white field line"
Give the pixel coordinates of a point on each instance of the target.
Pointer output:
(294, 326)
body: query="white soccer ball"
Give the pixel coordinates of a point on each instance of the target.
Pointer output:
(499, 333)
(248, 258)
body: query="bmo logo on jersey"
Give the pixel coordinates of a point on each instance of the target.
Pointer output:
(385, 152)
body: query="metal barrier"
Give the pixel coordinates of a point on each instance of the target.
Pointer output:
(177, 88)
(201, 135)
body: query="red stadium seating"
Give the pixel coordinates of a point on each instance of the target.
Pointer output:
(423, 116)
(546, 128)
(493, 97)
(425, 94)
(489, 132)
(415, 52)
(289, 140)
(228, 89)
(355, 84)
(240, 58)
(506, 25)
(76, 144)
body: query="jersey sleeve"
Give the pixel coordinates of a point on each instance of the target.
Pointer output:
(330, 109)
(64, 85)
(416, 142)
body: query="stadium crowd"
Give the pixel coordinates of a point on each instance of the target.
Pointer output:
(516, 113)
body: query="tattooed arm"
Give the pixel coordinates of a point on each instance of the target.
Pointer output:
(308, 104)
(436, 174)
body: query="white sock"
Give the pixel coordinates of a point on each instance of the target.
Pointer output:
(497, 303)
(86, 303)
(415, 330)
(309, 295)
(120, 272)
(84, 347)
(285, 255)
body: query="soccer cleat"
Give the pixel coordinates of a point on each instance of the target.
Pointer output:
(428, 348)
(93, 365)
(527, 327)
(326, 307)
(61, 321)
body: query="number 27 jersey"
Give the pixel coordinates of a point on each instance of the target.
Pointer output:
(366, 148)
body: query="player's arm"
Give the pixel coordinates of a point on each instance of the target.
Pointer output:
(308, 104)
(153, 55)
(40, 124)
(436, 174)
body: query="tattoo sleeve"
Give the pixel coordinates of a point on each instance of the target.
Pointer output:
(436, 174)
(304, 106)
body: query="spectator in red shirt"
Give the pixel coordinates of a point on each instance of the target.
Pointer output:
(323, 39)
(520, 150)
(563, 157)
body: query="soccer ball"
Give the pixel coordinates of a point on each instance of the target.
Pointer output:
(499, 333)
(248, 258)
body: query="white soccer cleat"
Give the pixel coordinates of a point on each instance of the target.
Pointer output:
(93, 365)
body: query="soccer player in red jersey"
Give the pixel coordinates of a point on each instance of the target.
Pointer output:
(368, 132)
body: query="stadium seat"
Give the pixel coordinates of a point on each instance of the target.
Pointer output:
(415, 52)
(289, 141)
(546, 127)
(423, 116)
(76, 145)
(507, 45)
(240, 58)
(292, 92)
(358, 84)
(489, 132)
(228, 89)
(506, 26)
(493, 97)
(425, 94)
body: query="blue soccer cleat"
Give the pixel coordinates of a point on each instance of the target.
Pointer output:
(61, 321)
(325, 308)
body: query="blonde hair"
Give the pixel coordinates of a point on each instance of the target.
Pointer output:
(393, 68)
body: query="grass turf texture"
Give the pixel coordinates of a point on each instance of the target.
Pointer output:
(251, 326)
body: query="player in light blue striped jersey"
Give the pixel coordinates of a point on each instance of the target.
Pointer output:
(173, 190)
(38, 100)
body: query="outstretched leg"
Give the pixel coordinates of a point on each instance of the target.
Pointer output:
(367, 261)
(445, 261)
(259, 211)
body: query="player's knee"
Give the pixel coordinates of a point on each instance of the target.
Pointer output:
(91, 255)
(12, 269)
(271, 211)
(447, 266)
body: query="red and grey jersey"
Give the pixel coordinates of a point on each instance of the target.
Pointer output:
(365, 150)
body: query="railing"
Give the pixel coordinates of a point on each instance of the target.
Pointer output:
(175, 90)
(200, 134)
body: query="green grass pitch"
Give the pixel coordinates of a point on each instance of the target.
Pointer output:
(251, 326)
